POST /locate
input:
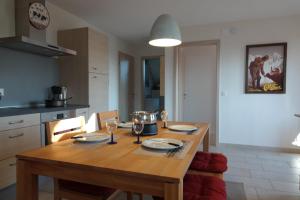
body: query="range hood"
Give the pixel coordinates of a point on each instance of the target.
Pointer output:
(28, 38)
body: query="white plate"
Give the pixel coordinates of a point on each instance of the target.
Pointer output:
(162, 143)
(183, 128)
(92, 137)
(125, 125)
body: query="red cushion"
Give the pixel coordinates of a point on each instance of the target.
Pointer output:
(209, 162)
(86, 188)
(198, 187)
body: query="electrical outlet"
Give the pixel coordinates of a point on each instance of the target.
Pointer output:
(1, 92)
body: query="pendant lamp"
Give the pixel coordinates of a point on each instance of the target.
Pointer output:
(165, 32)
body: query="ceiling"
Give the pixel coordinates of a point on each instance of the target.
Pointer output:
(131, 20)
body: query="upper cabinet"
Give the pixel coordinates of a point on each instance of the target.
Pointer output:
(98, 52)
(86, 74)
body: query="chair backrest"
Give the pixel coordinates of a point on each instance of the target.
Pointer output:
(103, 116)
(64, 129)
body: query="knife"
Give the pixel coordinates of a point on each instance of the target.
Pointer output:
(170, 143)
(76, 137)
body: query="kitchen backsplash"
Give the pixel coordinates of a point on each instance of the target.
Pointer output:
(26, 77)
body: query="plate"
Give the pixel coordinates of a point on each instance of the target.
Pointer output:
(183, 128)
(91, 137)
(125, 125)
(162, 143)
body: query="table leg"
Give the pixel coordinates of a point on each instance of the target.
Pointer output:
(174, 191)
(27, 183)
(206, 142)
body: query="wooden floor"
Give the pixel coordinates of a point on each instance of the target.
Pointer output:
(266, 175)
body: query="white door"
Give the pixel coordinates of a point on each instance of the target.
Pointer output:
(199, 84)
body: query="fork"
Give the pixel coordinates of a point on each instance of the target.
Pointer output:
(172, 153)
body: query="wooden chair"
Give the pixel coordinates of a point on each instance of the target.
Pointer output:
(62, 130)
(103, 116)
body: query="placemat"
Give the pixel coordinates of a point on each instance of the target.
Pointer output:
(163, 153)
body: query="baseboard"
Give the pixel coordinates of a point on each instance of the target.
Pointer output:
(273, 149)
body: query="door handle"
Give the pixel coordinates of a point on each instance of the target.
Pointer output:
(184, 95)
(12, 164)
(16, 122)
(16, 136)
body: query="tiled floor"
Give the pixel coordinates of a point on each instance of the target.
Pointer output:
(266, 175)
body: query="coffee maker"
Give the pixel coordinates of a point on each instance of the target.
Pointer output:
(58, 97)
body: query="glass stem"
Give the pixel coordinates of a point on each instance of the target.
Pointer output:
(112, 137)
(138, 138)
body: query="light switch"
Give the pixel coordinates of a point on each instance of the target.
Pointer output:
(1, 92)
(224, 93)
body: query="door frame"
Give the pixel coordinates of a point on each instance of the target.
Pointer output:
(143, 58)
(132, 62)
(178, 107)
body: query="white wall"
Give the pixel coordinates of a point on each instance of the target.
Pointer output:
(61, 19)
(250, 119)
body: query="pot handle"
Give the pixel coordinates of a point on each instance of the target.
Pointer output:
(156, 112)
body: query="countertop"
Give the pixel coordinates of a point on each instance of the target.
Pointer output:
(12, 111)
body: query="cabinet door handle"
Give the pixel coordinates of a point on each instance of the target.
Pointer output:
(95, 68)
(16, 136)
(95, 76)
(12, 164)
(16, 122)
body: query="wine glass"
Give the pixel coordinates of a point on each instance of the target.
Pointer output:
(111, 127)
(164, 118)
(138, 127)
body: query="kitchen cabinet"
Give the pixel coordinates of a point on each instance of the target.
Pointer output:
(19, 121)
(18, 140)
(83, 112)
(86, 74)
(17, 134)
(98, 52)
(7, 172)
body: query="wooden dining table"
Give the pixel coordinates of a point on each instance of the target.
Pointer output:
(115, 166)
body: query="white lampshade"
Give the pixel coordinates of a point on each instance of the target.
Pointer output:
(165, 32)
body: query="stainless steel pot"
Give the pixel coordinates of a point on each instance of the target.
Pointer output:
(57, 103)
(148, 117)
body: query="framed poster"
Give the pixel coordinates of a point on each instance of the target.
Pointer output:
(266, 68)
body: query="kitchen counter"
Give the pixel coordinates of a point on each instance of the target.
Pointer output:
(12, 111)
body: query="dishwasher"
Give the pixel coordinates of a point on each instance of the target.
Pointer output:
(52, 116)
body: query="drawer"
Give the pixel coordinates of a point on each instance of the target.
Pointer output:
(7, 172)
(19, 121)
(19, 140)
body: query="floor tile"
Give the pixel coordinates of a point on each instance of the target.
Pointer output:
(286, 187)
(238, 172)
(275, 176)
(45, 196)
(276, 195)
(245, 165)
(250, 182)
(251, 193)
